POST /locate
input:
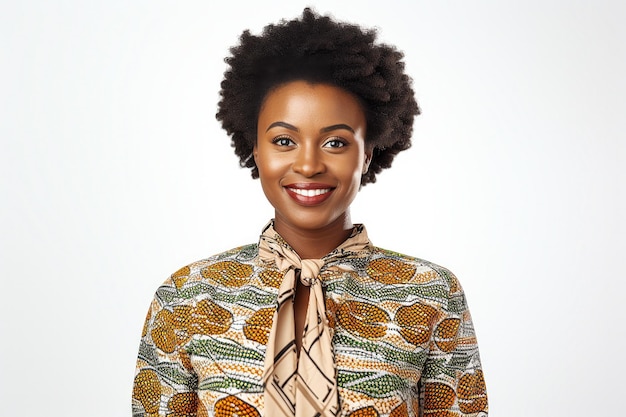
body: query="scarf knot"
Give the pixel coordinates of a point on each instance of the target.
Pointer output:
(310, 271)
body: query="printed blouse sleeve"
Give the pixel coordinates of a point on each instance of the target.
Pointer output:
(452, 380)
(165, 383)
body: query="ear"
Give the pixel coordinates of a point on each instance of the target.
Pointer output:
(368, 160)
(254, 152)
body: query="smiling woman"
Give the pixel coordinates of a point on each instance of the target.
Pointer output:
(313, 320)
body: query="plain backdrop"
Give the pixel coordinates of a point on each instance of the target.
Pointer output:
(115, 173)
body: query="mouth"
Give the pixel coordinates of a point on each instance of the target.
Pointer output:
(309, 194)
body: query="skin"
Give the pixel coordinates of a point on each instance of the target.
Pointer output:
(311, 154)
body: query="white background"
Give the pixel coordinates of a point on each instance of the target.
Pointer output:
(115, 173)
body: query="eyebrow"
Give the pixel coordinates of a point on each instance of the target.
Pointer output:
(322, 130)
(283, 124)
(337, 127)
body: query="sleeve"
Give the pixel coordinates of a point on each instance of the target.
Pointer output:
(165, 383)
(452, 380)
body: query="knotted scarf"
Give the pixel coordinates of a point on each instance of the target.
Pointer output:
(302, 385)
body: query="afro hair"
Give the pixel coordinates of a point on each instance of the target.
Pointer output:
(318, 49)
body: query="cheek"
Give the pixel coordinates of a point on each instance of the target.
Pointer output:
(351, 178)
(272, 169)
(268, 167)
(354, 170)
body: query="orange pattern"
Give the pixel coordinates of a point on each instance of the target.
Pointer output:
(171, 329)
(232, 406)
(400, 411)
(147, 389)
(445, 334)
(271, 278)
(366, 320)
(228, 273)
(331, 312)
(416, 322)
(472, 393)
(403, 340)
(365, 412)
(184, 404)
(180, 277)
(258, 326)
(390, 271)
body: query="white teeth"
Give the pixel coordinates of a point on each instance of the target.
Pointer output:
(310, 193)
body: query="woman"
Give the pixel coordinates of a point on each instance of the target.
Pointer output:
(313, 320)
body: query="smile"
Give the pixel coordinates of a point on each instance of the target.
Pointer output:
(309, 193)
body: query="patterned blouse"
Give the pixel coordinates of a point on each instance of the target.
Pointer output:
(403, 338)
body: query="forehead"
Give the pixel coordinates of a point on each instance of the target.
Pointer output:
(301, 100)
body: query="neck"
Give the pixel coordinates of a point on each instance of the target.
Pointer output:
(314, 243)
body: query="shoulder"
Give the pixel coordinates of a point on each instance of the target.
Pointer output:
(231, 268)
(390, 267)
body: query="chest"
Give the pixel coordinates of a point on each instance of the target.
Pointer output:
(377, 366)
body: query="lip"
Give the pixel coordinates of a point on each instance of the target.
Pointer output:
(309, 194)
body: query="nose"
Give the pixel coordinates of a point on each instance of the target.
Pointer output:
(308, 161)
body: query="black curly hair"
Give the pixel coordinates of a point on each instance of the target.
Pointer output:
(318, 49)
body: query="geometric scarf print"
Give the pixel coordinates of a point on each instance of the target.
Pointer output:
(303, 385)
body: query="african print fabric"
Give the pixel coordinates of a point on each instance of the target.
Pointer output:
(401, 334)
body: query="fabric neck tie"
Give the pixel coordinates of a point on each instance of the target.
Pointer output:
(303, 385)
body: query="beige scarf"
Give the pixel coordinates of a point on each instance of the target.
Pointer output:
(304, 386)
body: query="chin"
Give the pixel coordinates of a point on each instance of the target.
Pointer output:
(309, 222)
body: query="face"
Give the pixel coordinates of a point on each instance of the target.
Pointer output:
(311, 153)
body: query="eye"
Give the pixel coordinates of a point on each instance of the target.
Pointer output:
(335, 143)
(283, 141)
